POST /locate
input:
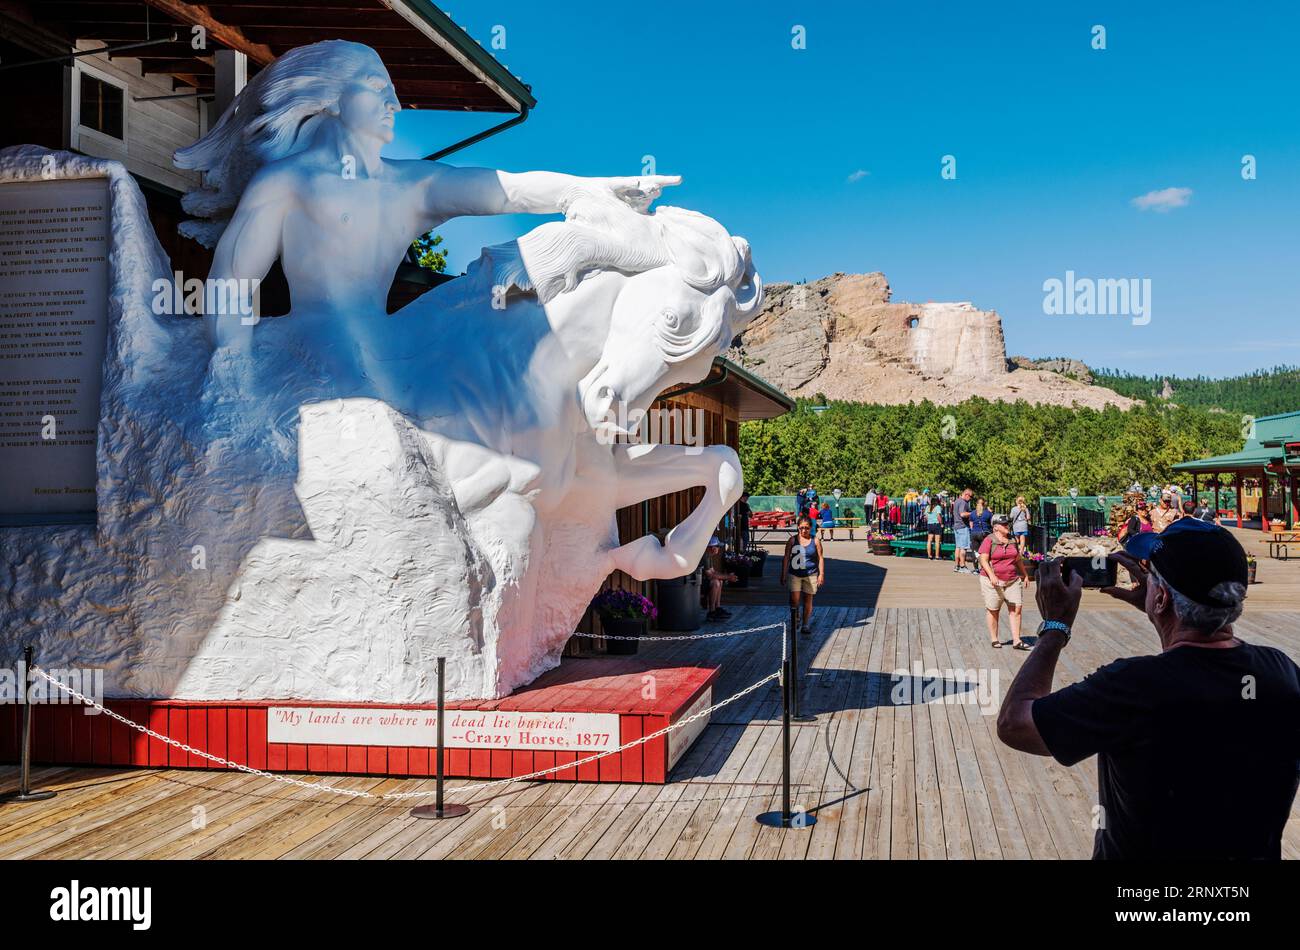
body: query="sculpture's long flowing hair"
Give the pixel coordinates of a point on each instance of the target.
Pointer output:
(275, 115)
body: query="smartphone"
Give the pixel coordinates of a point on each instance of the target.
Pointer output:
(1087, 568)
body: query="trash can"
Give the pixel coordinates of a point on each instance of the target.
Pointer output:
(678, 601)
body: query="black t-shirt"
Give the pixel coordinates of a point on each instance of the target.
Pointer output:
(1198, 750)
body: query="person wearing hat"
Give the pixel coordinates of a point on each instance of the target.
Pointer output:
(1198, 746)
(713, 578)
(1165, 513)
(1003, 577)
(1137, 523)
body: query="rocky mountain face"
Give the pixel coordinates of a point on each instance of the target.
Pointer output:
(844, 337)
(1075, 369)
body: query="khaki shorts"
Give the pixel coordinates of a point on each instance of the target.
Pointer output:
(801, 585)
(1013, 595)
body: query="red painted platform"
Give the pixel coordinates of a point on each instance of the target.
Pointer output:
(644, 696)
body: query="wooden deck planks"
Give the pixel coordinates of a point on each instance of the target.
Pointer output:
(932, 779)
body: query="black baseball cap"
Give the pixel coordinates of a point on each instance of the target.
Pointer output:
(1193, 557)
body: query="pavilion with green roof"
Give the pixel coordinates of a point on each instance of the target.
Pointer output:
(1266, 467)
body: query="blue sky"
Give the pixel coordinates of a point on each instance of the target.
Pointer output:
(1052, 139)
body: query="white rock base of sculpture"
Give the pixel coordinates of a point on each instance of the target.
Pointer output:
(366, 605)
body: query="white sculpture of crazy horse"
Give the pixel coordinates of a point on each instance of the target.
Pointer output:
(372, 491)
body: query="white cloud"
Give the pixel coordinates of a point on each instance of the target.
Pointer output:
(858, 175)
(1166, 199)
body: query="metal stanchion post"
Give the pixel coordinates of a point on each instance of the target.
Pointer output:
(440, 809)
(786, 818)
(25, 793)
(792, 648)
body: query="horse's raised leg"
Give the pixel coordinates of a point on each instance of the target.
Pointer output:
(644, 471)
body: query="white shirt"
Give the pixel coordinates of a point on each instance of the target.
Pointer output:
(870, 500)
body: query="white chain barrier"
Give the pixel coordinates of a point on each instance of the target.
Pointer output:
(683, 636)
(357, 793)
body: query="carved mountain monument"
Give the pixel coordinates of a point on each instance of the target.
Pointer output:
(842, 336)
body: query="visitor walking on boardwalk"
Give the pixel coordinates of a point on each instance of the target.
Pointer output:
(803, 571)
(1003, 578)
(1198, 754)
(869, 507)
(934, 530)
(961, 530)
(981, 525)
(1020, 523)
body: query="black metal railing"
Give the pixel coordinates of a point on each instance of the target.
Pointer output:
(1046, 526)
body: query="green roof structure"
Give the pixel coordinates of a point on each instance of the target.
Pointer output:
(1265, 447)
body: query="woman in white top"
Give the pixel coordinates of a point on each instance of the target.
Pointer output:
(1020, 523)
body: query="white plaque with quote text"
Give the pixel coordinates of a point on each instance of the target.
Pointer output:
(53, 322)
(464, 729)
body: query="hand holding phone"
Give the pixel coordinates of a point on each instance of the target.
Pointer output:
(1137, 594)
(1058, 596)
(1094, 571)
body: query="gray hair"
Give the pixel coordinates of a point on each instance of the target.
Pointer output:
(1207, 620)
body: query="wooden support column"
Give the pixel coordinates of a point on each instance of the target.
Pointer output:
(231, 77)
(1241, 520)
(1288, 497)
(1263, 499)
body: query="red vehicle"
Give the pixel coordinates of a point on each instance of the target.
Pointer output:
(776, 518)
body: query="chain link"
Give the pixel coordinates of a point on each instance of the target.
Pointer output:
(392, 796)
(599, 755)
(684, 636)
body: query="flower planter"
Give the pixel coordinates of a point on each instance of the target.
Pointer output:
(1250, 572)
(623, 613)
(880, 547)
(741, 569)
(622, 627)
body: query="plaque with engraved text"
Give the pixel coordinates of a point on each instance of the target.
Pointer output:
(53, 321)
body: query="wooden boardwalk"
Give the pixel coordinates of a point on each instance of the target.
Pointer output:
(886, 775)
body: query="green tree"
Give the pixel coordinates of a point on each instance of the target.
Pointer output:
(428, 254)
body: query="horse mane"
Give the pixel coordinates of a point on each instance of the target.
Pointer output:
(601, 232)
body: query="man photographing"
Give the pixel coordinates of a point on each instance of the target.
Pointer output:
(1198, 746)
